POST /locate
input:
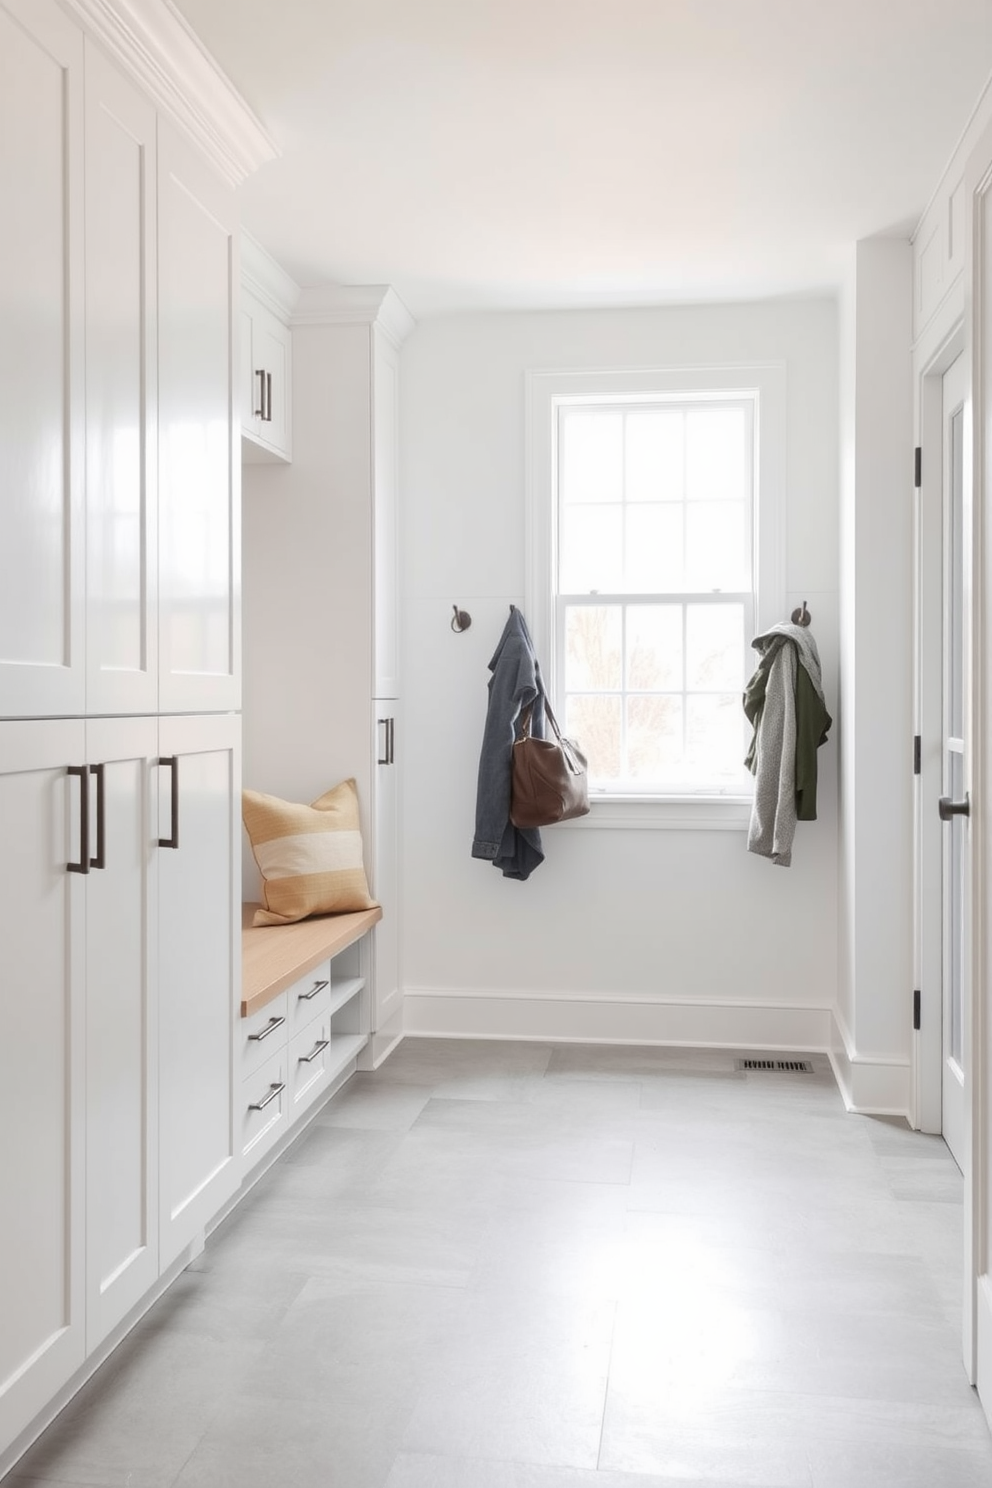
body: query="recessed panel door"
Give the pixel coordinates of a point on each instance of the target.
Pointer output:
(954, 804)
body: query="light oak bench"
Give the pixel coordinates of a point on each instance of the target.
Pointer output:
(304, 1022)
(275, 956)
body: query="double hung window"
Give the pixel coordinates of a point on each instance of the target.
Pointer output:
(645, 501)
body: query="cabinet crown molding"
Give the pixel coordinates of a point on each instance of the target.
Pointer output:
(355, 304)
(158, 48)
(266, 279)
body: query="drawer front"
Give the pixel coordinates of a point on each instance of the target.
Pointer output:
(309, 1063)
(265, 1107)
(308, 998)
(263, 1034)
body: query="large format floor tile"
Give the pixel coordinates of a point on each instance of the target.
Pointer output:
(515, 1265)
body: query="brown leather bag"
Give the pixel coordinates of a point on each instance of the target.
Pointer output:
(549, 781)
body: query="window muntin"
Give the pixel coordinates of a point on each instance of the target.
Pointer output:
(654, 587)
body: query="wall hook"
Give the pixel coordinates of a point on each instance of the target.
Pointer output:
(802, 615)
(460, 620)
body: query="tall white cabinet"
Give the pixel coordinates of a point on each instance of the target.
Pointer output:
(120, 684)
(320, 596)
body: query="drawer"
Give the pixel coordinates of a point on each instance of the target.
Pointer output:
(308, 998)
(264, 1107)
(263, 1033)
(309, 1063)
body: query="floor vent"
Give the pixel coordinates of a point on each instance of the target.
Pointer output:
(777, 1066)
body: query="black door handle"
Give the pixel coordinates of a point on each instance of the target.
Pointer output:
(949, 808)
(171, 761)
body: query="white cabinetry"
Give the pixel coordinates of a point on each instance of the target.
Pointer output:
(119, 603)
(121, 1017)
(266, 361)
(121, 368)
(199, 477)
(321, 595)
(301, 1034)
(42, 657)
(387, 997)
(42, 908)
(265, 383)
(120, 568)
(199, 967)
(120, 974)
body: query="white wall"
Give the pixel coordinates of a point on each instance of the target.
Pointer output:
(651, 933)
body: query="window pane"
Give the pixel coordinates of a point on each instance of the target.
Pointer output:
(654, 736)
(654, 647)
(593, 648)
(653, 549)
(594, 724)
(655, 456)
(716, 550)
(714, 647)
(715, 741)
(591, 456)
(715, 454)
(591, 549)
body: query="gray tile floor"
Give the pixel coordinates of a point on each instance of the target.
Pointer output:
(495, 1265)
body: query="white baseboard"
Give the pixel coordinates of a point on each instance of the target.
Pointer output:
(870, 1087)
(563, 1017)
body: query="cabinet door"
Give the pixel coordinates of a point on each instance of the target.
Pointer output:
(199, 937)
(265, 381)
(41, 1075)
(121, 530)
(199, 478)
(386, 991)
(42, 657)
(121, 1024)
(385, 415)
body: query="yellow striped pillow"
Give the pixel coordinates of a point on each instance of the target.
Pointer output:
(310, 857)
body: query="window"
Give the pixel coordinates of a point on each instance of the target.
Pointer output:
(646, 571)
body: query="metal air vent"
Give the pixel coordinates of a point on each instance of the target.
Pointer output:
(776, 1066)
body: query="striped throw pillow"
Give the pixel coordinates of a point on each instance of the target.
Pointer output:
(310, 857)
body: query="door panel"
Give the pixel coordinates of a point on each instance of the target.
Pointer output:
(121, 1020)
(199, 528)
(42, 661)
(121, 524)
(199, 973)
(41, 1075)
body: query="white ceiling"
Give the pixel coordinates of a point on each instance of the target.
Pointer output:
(498, 153)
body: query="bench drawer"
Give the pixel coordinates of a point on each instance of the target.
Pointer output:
(265, 1107)
(263, 1033)
(308, 998)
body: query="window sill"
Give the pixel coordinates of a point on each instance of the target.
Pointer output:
(674, 813)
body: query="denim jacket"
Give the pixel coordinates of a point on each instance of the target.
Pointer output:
(515, 682)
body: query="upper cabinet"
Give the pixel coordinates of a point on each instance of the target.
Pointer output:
(42, 660)
(199, 474)
(120, 450)
(121, 373)
(265, 384)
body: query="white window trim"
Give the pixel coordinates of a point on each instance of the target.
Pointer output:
(545, 391)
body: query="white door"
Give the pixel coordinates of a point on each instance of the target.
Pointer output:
(41, 1067)
(121, 522)
(42, 656)
(199, 420)
(199, 937)
(121, 1023)
(954, 802)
